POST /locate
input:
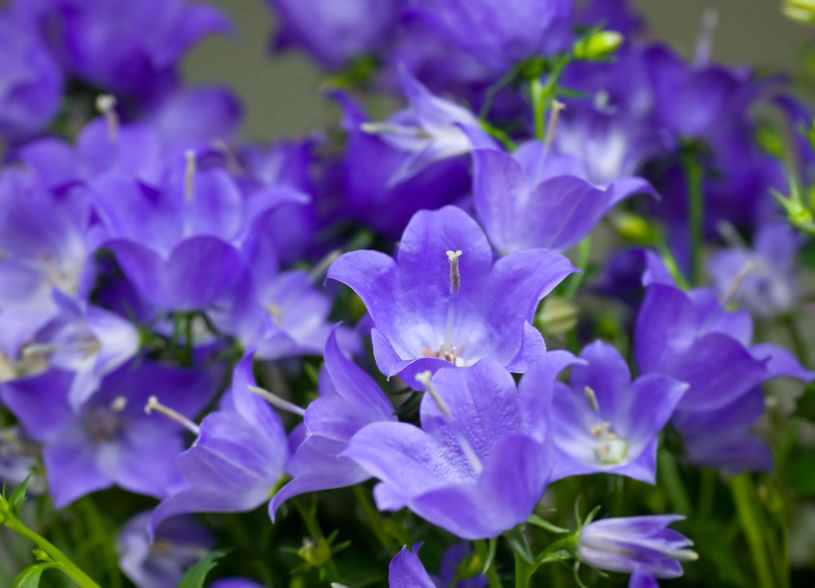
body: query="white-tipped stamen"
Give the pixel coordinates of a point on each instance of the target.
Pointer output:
(383, 128)
(276, 401)
(190, 167)
(551, 126)
(455, 272)
(591, 398)
(707, 30)
(119, 403)
(106, 105)
(154, 405)
(424, 379)
(322, 266)
(734, 286)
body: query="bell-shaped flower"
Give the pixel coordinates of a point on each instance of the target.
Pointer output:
(483, 455)
(536, 198)
(109, 440)
(443, 300)
(690, 336)
(762, 279)
(177, 544)
(604, 422)
(496, 34)
(349, 400)
(407, 571)
(642, 544)
(236, 459)
(431, 129)
(333, 33)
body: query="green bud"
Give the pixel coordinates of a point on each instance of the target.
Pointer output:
(315, 553)
(556, 315)
(470, 566)
(800, 10)
(597, 45)
(633, 227)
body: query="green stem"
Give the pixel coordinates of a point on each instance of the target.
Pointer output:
(669, 474)
(797, 339)
(538, 98)
(583, 255)
(523, 571)
(696, 213)
(309, 516)
(373, 516)
(79, 577)
(744, 498)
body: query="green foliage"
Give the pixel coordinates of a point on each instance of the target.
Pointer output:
(198, 572)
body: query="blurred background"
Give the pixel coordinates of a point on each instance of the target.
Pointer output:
(281, 92)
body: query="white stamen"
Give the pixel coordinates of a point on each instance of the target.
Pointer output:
(424, 379)
(455, 273)
(322, 266)
(154, 405)
(591, 398)
(189, 174)
(276, 401)
(119, 403)
(551, 126)
(704, 44)
(106, 105)
(736, 283)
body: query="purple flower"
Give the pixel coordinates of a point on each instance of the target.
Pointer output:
(534, 198)
(349, 400)
(689, 336)
(642, 544)
(431, 129)
(482, 457)
(499, 34)
(723, 438)
(406, 570)
(110, 440)
(44, 245)
(30, 81)
(604, 422)
(443, 301)
(234, 583)
(368, 166)
(161, 562)
(335, 32)
(761, 279)
(103, 42)
(237, 458)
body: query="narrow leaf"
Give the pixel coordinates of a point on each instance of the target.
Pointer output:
(30, 577)
(197, 573)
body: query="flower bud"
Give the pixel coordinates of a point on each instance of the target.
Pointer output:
(315, 553)
(597, 45)
(800, 10)
(556, 316)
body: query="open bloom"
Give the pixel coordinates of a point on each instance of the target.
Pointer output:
(407, 571)
(235, 461)
(604, 422)
(534, 198)
(349, 400)
(641, 544)
(482, 457)
(109, 440)
(443, 301)
(431, 129)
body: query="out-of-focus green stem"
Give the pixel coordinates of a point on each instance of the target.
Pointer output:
(583, 254)
(70, 569)
(538, 99)
(744, 498)
(373, 516)
(669, 474)
(696, 213)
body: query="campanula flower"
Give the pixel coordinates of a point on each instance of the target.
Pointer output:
(482, 457)
(605, 422)
(443, 300)
(349, 400)
(642, 544)
(109, 440)
(177, 544)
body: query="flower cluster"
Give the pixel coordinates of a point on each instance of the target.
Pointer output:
(552, 276)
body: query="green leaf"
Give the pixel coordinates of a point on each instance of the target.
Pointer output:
(18, 496)
(30, 577)
(546, 525)
(197, 573)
